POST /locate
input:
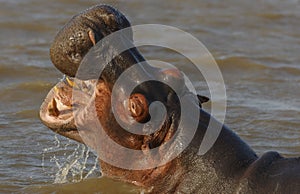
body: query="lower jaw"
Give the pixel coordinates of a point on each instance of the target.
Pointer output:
(71, 134)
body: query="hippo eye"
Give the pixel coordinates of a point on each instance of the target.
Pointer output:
(132, 106)
(138, 106)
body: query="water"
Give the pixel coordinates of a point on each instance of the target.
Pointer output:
(255, 43)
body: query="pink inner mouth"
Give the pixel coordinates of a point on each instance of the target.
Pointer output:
(59, 107)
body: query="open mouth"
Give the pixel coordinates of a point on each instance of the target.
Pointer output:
(71, 96)
(59, 107)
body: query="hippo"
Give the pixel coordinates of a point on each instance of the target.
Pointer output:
(230, 166)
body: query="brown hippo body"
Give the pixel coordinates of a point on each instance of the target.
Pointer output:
(230, 166)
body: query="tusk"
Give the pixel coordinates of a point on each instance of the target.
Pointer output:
(92, 37)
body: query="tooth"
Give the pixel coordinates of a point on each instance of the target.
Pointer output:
(73, 84)
(92, 37)
(56, 90)
(70, 82)
(52, 108)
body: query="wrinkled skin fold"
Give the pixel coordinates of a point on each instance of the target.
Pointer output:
(230, 166)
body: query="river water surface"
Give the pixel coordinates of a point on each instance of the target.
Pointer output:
(255, 43)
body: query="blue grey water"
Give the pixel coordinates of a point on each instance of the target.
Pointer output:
(255, 43)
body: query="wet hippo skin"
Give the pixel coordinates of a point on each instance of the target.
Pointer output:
(230, 166)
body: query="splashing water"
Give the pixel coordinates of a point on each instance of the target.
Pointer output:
(69, 161)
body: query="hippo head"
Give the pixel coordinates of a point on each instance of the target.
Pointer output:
(78, 117)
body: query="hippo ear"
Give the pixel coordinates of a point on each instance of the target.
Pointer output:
(202, 99)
